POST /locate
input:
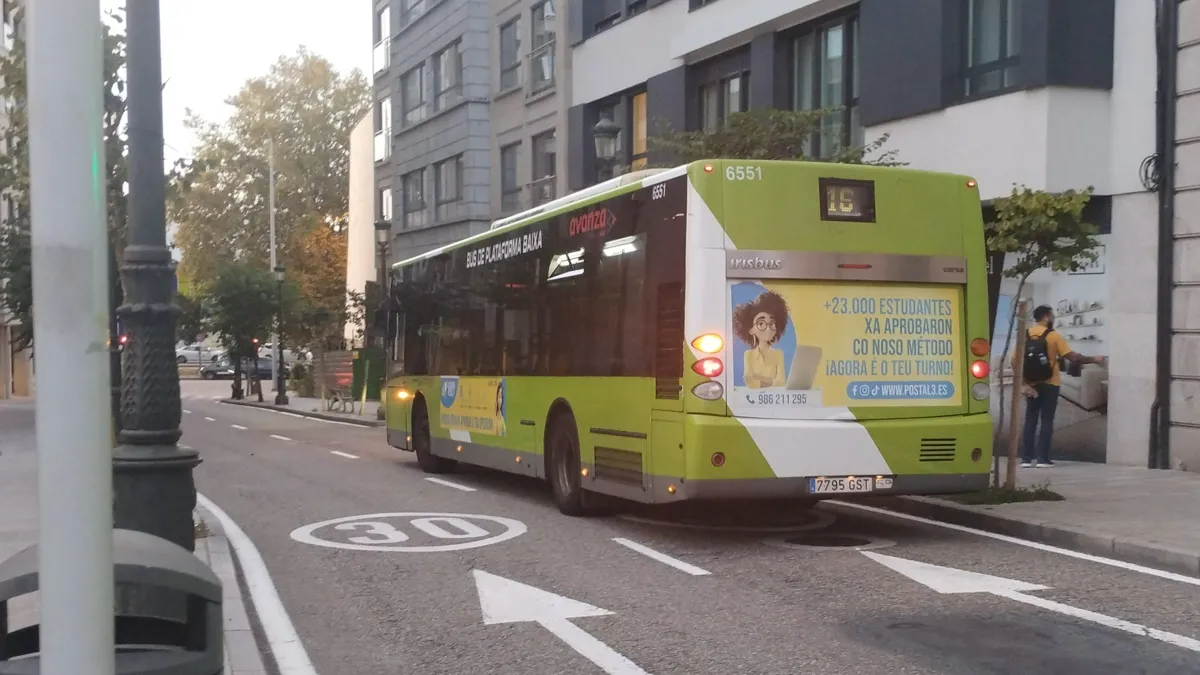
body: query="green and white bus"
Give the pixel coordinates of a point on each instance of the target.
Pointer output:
(721, 330)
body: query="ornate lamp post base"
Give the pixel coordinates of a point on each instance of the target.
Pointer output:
(154, 491)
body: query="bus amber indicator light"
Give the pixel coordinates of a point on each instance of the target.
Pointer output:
(710, 343)
(979, 369)
(709, 367)
(708, 168)
(980, 347)
(971, 183)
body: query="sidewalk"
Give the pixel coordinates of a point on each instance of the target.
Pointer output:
(311, 407)
(19, 529)
(1138, 515)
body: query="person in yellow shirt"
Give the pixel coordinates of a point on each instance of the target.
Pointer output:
(760, 323)
(1042, 385)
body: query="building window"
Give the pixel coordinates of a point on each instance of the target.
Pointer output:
(720, 99)
(383, 137)
(385, 204)
(447, 186)
(825, 76)
(381, 56)
(541, 58)
(993, 45)
(413, 201)
(412, 95)
(411, 10)
(447, 76)
(510, 186)
(545, 168)
(638, 128)
(510, 54)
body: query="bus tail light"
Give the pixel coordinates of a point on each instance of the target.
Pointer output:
(709, 367)
(710, 343)
(980, 347)
(980, 369)
(709, 391)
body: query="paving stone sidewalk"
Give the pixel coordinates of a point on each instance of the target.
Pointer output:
(1139, 515)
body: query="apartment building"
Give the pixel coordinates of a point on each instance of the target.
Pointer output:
(1051, 94)
(467, 117)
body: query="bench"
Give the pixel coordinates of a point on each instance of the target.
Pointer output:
(335, 373)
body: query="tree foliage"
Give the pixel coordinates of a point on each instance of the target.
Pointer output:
(767, 134)
(16, 296)
(241, 305)
(220, 200)
(191, 320)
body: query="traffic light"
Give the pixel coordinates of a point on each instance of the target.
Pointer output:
(122, 341)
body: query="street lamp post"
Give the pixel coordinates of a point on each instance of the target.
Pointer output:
(152, 476)
(383, 232)
(607, 135)
(280, 386)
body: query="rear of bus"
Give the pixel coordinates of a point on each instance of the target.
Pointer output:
(837, 331)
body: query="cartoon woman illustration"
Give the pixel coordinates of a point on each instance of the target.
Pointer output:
(501, 427)
(760, 323)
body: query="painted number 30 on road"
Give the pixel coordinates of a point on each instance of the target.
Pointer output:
(413, 532)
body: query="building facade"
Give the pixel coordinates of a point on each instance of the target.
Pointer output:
(361, 258)
(467, 115)
(1049, 94)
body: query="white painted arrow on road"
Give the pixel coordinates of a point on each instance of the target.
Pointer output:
(950, 580)
(507, 601)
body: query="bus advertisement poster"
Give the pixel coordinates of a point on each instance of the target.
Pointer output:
(474, 404)
(800, 345)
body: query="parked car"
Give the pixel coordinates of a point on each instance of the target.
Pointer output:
(197, 353)
(222, 369)
(267, 351)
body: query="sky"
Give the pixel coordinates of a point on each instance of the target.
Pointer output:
(211, 47)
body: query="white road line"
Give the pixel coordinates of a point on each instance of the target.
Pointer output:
(451, 484)
(238, 427)
(210, 419)
(662, 557)
(1104, 620)
(1132, 567)
(339, 453)
(285, 646)
(280, 438)
(187, 412)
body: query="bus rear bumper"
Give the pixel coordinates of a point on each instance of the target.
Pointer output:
(799, 487)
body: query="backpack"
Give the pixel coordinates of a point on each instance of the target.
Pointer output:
(1038, 365)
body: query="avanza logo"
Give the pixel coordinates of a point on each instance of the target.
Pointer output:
(596, 221)
(756, 263)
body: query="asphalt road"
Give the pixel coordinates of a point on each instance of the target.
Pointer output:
(764, 606)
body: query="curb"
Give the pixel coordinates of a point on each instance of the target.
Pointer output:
(1138, 551)
(242, 651)
(329, 417)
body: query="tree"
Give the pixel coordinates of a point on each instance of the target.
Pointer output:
(16, 296)
(191, 319)
(1039, 230)
(241, 303)
(306, 110)
(764, 134)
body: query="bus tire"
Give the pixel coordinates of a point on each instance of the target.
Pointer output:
(563, 466)
(422, 443)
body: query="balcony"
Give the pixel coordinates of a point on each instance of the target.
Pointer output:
(383, 145)
(541, 68)
(381, 56)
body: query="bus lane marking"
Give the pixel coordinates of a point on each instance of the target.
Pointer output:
(449, 484)
(951, 580)
(238, 427)
(412, 532)
(210, 419)
(280, 438)
(506, 601)
(339, 453)
(663, 558)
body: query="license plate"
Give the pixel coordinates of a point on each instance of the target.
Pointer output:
(841, 484)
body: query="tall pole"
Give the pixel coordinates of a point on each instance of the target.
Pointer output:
(274, 258)
(70, 290)
(155, 492)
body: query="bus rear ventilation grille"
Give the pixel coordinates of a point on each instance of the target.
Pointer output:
(619, 466)
(938, 449)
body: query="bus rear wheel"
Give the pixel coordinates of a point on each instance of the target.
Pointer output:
(563, 466)
(422, 443)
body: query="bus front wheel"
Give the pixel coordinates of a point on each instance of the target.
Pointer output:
(423, 443)
(563, 470)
